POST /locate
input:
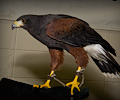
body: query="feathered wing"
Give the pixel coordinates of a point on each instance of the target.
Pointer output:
(76, 32)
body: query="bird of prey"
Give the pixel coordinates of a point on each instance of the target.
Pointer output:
(63, 32)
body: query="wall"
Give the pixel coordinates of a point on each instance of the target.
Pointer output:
(24, 59)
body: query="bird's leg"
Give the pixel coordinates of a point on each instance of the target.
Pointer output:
(47, 83)
(56, 60)
(74, 83)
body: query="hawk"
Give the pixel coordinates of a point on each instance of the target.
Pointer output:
(63, 32)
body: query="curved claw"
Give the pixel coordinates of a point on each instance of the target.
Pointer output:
(74, 84)
(36, 86)
(47, 84)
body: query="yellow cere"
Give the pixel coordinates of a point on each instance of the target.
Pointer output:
(18, 23)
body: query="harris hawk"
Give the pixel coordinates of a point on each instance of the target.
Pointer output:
(63, 32)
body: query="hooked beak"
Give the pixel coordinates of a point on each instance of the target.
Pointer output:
(13, 26)
(17, 24)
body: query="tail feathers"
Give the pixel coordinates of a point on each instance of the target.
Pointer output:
(109, 68)
(103, 60)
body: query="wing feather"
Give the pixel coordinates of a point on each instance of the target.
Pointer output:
(75, 32)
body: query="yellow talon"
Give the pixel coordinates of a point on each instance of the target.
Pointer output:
(74, 83)
(37, 86)
(47, 84)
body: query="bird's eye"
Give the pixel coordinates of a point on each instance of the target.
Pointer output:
(24, 21)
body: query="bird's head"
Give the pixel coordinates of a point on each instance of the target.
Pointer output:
(24, 21)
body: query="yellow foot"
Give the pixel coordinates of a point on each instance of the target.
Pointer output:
(47, 84)
(36, 86)
(74, 84)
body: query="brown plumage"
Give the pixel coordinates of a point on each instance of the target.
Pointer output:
(56, 58)
(60, 28)
(80, 55)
